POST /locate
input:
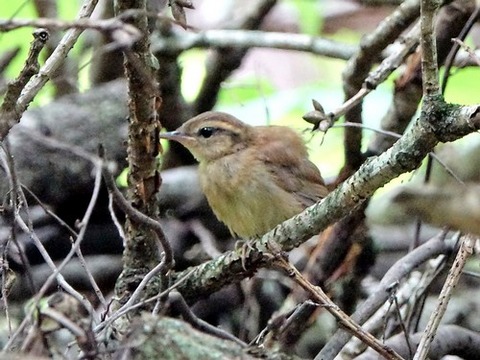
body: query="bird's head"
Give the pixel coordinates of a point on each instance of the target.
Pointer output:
(212, 135)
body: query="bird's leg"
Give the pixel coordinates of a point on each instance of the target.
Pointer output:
(244, 247)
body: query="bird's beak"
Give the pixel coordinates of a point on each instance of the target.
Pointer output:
(173, 135)
(176, 135)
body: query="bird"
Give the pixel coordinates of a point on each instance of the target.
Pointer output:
(453, 205)
(254, 177)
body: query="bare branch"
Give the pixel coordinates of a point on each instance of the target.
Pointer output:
(466, 249)
(180, 306)
(32, 88)
(8, 111)
(406, 44)
(428, 44)
(405, 155)
(141, 218)
(253, 38)
(345, 321)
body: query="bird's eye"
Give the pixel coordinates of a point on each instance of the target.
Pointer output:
(206, 132)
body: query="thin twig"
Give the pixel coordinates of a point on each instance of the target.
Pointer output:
(64, 321)
(407, 295)
(49, 212)
(146, 279)
(466, 249)
(345, 321)
(103, 25)
(27, 227)
(54, 143)
(407, 44)
(432, 248)
(428, 10)
(179, 304)
(125, 309)
(56, 275)
(356, 73)
(402, 324)
(84, 23)
(454, 50)
(77, 150)
(34, 85)
(115, 220)
(9, 114)
(83, 229)
(206, 238)
(140, 218)
(365, 127)
(470, 52)
(398, 136)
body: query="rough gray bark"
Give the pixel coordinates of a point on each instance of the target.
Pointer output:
(40, 143)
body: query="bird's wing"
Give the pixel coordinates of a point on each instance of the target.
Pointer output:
(286, 159)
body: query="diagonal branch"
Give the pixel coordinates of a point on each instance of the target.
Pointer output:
(466, 249)
(319, 295)
(434, 247)
(8, 110)
(404, 156)
(55, 60)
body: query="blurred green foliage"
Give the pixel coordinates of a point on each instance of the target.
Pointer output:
(309, 13)
(463, 86)
(19, 37)
(22, 37)
(193, 72)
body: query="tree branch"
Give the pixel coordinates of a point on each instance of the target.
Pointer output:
(32, 88)
(405, 155)
(450, 340)
(253, 38)
(141, 252)
(431, 88)
(466, 249)
(434, 247)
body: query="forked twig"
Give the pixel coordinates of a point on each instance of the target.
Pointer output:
(139, 217)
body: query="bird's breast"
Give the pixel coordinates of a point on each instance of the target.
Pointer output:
(245, 197)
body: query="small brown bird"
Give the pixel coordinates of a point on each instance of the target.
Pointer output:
(254, 177)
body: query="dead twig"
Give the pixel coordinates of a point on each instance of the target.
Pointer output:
(466, 249)
(179, 305)
(9, 113)
(345, 321)
(140, 218)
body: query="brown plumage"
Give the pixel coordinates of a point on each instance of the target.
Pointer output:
(254, 177)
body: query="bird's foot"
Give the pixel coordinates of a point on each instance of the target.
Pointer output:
(244, 247)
